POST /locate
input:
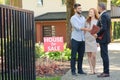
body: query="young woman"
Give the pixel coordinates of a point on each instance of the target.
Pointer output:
(90, 40)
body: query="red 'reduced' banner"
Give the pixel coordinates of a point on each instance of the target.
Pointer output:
(53, 44)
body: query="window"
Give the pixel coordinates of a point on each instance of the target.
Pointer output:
(40, 2)
(63, 2)
(48, 31)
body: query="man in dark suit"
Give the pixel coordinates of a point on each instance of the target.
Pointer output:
(104, 23)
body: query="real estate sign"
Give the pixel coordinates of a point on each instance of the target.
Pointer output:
(53, 44)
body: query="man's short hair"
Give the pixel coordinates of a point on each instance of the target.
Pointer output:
(76, 5)
(102, 5)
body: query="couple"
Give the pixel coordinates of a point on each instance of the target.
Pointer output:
(82, 41)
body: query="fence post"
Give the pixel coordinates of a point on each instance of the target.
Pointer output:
(17, 41)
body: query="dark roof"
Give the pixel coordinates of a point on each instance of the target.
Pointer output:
(50, 16)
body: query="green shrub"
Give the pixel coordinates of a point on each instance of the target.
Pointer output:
(64, 55)
(49, 78)
(39, 50)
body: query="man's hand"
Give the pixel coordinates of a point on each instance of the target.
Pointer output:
(85, 29)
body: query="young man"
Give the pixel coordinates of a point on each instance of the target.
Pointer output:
(104, 23)
(77, 39)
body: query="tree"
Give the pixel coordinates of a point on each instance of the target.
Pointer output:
(102, 1)
(16, 3)
(1, 1)
(115, 2)
(70, 12)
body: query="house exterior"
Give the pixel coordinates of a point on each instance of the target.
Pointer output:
(50, 15)
(115, 19)
(43, 6)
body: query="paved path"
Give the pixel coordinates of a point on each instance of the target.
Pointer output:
(114, 54)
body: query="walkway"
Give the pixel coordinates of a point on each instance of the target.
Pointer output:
(114, 53)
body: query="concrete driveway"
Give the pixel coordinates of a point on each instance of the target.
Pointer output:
(114, 55)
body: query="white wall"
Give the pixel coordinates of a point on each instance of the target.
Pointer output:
(48, 6)
(108, 4)
(56, 5)
(87, 4)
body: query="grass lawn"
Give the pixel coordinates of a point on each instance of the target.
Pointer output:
(45, 78)
(49, 78)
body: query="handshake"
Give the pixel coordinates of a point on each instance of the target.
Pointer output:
(94, 30)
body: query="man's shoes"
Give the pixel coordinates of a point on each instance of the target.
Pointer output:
(74, 74)
(82, 73)
(103, 75)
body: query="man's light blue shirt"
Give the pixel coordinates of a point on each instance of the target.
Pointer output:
(77, 22)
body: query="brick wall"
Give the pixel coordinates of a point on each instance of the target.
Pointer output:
(60, 29)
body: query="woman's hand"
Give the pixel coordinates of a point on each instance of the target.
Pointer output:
(95, 35)
(83, 29)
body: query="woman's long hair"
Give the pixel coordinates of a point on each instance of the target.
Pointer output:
(96, 15)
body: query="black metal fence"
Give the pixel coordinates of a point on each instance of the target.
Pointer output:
(17, 59)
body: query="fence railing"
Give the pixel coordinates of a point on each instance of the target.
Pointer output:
(17, 59)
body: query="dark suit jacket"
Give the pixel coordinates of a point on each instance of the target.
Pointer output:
(104, 23)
